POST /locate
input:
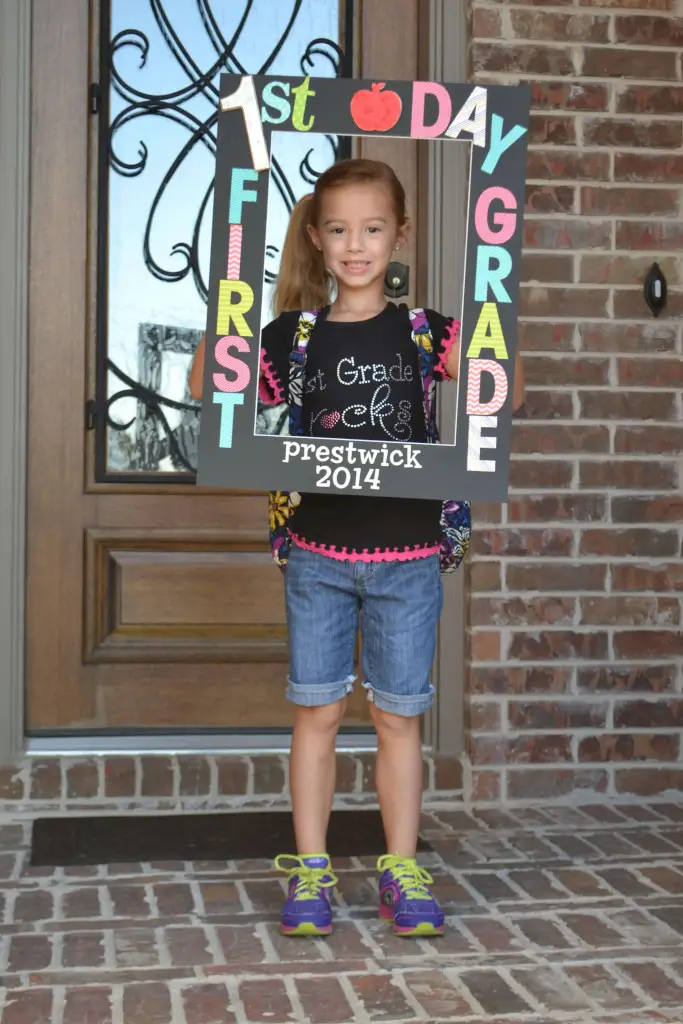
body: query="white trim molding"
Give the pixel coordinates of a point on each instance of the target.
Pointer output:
(15, 117)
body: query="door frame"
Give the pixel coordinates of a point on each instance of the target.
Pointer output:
(440, 261)
(15, 122)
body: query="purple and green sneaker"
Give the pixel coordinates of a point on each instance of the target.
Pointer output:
(308, 907)
(405, 899)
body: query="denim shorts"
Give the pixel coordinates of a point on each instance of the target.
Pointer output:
(398, 605)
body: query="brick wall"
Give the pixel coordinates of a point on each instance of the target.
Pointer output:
(575, 638)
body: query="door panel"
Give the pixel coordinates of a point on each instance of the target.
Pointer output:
(154, 605)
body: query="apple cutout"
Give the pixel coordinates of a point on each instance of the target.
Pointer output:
(375, 111)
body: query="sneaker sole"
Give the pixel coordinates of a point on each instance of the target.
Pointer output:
(424, 928)
(307, 929)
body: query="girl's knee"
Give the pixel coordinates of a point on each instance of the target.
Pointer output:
(388, 724)
(326, 717)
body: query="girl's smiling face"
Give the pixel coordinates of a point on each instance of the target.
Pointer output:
(358, 232)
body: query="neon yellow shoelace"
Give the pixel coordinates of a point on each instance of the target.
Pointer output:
(412, 878)
(310, 880)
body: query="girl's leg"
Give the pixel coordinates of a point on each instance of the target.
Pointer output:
(398, 778)
(312, 771)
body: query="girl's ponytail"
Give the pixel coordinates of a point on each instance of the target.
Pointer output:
(303, 281)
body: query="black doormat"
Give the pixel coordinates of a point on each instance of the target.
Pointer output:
(62, 842)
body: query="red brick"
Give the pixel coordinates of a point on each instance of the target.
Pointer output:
(558, 233)
(381, 997)
(534, 474)
(557, 644)
(655, 543)
(487, 512)
(630, 611)
(136, 947)
(648, 781)
(528, 439)
(485, 646)
(565, 96)
(647, 30)
(530, 715)
(649, 440)
(188, 947)
(346, 774)
(547, 508)
(544, 267)
(323, 1001)
(629, 747)
(29, 1006)
(623, 202)
(83, 949)
(554, 27)
(82, 780)
(119, 777)
(559, 165)
(647, 510)
(208, 1004)
(147, 1004)
(91, 1005)
(129, 901)
(648, 643)
(620, 62)
(641, 99)
(648, 167)
(665, 235)
(607, 131)
(29, 953)
(536, 60)
(265, 1001)
(668, 879)
(630, 304)
(269, 774)
(239, 944)
(521, 750)
(547, 130)
(436, 995)
(447, 772)
(484, 576)
(549, 986)
(46, 779)
(11, 783)
(547, 542)
(35, 905)
(556, 578)
(546, 302)
(485, 785)
(644, 714)
(592, 931)
(233, 774)
(174, 899)
(655, 983)
(623, 270)
(195, 776)
(517, 611)
(633, 475)
(535, 337)
(157, 776)
(539, 679)
(652, 5)
(486, 24)
(628, 405)
(81, 903)
(636, 338)
(663, 578)
(548, 405)
(483, 717)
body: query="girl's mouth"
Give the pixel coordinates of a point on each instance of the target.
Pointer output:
(356, 266)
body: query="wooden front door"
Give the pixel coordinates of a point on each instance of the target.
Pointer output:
(152, 604)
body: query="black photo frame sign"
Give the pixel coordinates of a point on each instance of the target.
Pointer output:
(493, 120)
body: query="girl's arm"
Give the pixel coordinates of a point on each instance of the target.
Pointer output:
(197, 372)
(453, 364)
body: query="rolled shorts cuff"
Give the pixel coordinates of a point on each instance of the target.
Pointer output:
(317, 696)
(408, 706)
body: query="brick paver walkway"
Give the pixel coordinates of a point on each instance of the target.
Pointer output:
(556, 915)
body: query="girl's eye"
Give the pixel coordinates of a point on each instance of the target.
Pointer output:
(337, 231)
(374, 230)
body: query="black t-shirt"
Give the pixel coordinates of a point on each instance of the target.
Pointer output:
(362, 381)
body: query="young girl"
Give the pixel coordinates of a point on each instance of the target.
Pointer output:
(371, 558)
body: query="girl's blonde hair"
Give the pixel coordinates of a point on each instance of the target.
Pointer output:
(303, 281)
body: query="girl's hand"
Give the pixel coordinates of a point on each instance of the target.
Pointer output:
(196, 381)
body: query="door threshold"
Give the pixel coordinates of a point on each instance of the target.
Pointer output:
(189, 743)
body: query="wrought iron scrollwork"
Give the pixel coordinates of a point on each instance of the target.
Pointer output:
(148, 440)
